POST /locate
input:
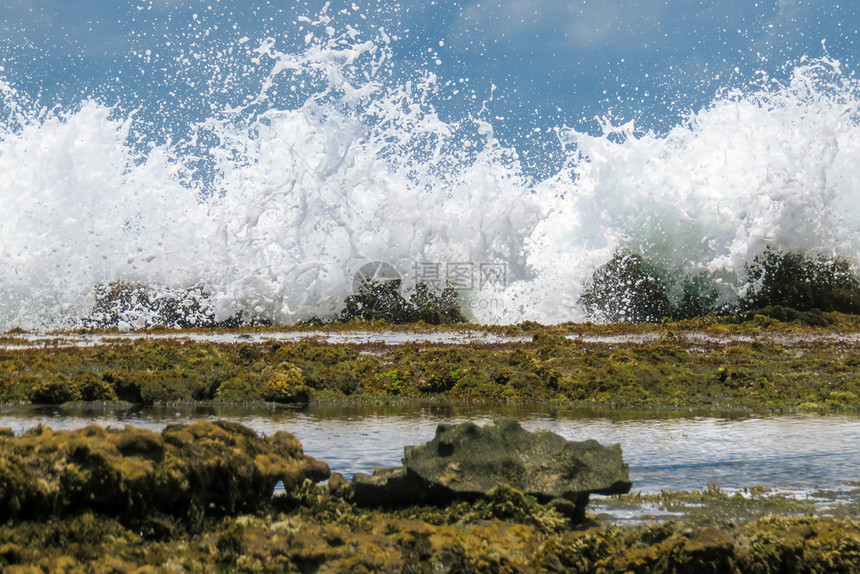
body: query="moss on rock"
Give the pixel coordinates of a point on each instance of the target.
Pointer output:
(768, 367)
(510, 533)
(186, 471)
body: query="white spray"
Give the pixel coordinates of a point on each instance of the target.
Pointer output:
(365, 169)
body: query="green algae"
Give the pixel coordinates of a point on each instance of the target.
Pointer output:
(660, 367)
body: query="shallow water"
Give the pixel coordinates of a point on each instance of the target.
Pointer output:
(31, 340)
(666, 450)
(459, 337)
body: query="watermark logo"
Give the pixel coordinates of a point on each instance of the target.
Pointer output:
(461, 275)
(378, 273)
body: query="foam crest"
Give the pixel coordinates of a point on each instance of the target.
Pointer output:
(317, 194)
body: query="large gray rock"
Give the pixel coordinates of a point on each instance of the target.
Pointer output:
(466, 461)
(471, 460)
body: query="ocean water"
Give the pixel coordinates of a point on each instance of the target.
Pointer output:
(265, 168)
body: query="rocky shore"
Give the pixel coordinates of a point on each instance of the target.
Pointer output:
(762, 365)
(198, 498)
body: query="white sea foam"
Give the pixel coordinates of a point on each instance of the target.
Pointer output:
(365, 169)
(769, 167)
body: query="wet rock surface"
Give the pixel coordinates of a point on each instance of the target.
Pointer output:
(465, 462)
(186, 471)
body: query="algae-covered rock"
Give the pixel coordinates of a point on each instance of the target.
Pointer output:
(507, 533)
(467, 462)
(186, 471)
(805, 284)
(286, 385)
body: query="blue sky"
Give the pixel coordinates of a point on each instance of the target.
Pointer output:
(552, 62)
